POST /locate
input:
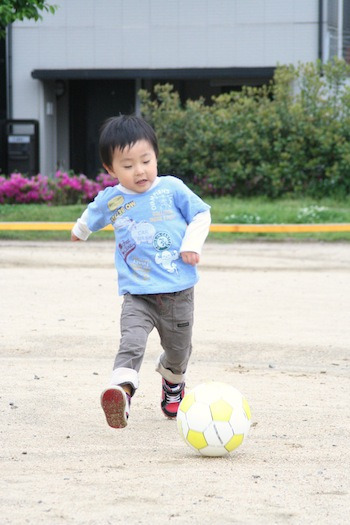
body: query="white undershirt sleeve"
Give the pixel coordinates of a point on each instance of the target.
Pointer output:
(196, 233)
(80, 228)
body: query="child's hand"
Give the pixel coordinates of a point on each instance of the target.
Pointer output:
(74, 238)
(191, 258)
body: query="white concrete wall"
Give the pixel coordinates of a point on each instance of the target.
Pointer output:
(172, 33)
(154, 34)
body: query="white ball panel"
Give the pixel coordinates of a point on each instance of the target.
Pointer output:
(182, 424)
(239, 422)
(198, 417)
(213, 451)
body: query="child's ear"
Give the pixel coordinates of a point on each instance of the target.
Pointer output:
(109, 170)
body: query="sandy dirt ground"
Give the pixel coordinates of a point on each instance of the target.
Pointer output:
(272, 319)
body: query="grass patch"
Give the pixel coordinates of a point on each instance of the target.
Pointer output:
(224, 210)
(40, 212)
(283, 211)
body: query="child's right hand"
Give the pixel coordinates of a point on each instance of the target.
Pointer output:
(74, 238)
(191, 258)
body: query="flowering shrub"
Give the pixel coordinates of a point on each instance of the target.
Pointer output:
(290, 137)
(63, 188)
(18, 189)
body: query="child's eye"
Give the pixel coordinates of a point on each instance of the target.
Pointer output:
(127, 167)
(146, 162)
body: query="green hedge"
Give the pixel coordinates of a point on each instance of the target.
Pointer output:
(288, 138)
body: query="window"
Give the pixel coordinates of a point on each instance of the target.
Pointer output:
(338, 29)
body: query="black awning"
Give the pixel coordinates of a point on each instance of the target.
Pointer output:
(164, 74)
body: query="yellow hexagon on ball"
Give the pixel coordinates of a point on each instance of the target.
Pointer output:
(214, 418)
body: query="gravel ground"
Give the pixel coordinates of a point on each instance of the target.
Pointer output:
(272, 319)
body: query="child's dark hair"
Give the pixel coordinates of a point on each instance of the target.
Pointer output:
(121, 132)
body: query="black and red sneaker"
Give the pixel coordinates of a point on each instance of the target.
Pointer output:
(116, 406)
(172, 395)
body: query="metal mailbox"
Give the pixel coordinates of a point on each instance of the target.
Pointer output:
(22, 138)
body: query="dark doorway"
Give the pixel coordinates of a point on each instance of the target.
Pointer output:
(2, 79)
(3, 112)
(90, 103)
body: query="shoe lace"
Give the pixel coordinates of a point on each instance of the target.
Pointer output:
(173, 397)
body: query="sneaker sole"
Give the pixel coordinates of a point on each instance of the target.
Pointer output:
(168, 415)
(113, 402)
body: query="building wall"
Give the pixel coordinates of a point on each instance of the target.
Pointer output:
(173, 33)
(151, 34)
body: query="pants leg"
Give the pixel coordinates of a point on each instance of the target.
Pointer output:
(136, 323)
(174, 325)
(172, 315)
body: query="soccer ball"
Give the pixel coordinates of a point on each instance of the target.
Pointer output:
(214, 418)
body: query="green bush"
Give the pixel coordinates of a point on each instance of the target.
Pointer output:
(288, 138)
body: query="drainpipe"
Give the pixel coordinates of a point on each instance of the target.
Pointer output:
(9, 94)
(137, 99)
(340, 28)
(320, 30)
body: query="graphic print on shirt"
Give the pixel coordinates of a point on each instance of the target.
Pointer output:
(162, 241)
(131, 234)
(164, 257)
(115, 203)
(142, 233)
(162, 205)
(126, 243)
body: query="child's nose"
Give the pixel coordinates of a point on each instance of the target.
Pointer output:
(139, 169)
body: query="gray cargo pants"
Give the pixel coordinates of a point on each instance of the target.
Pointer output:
(172, 315)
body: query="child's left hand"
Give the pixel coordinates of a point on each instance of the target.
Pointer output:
(191, 258)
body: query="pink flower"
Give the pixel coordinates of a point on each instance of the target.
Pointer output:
(62, 188)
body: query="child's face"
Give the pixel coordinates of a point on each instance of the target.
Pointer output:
(135, 167)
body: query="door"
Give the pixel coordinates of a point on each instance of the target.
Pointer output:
(91, 102)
